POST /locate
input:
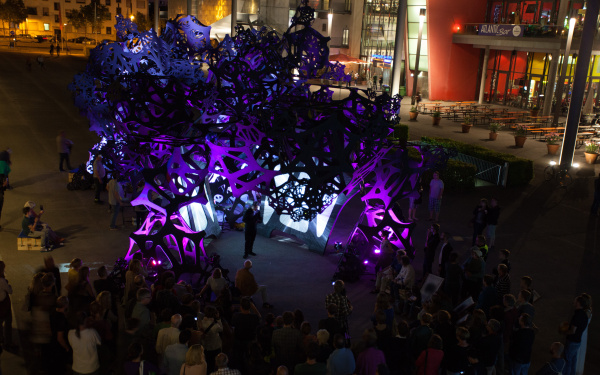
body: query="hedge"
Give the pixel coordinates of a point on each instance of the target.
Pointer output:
(520, 171)
(457, 176)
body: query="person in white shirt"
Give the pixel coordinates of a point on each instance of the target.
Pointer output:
(84, 341)
(216, 283)
(168, 336)
(436, 190)
(406, 276)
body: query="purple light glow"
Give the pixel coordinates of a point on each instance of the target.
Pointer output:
(248, 118)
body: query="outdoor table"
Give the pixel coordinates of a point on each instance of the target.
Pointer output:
(508, 120)
(582, 137)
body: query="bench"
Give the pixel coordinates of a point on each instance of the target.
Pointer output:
(582, 137)
(28, 243)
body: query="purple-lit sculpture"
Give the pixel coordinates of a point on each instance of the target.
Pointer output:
(174, 112)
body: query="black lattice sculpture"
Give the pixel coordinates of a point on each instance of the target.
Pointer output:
(173, 111)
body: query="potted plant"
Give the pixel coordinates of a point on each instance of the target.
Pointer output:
(552, 142)
(520, 135)
(466, 124)
(534, 111)
(437, 116)
(413, 113)
(591, 152)
(494, 128)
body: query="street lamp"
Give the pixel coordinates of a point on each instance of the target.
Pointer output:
(422, 14)
(329, 21)
(131, 18)
(65, 38)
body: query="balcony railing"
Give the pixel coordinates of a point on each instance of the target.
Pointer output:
(530, 30)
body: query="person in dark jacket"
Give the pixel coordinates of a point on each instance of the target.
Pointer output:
(493, 213)
(479, 218)
(456, 356)
(487, 348)
(521, 345)
(445, 252)
(488, 296)
(251, 218)
(431, 243)
(453, 277)
(400, 362)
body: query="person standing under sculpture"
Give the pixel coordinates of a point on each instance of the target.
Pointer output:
(115, 199)
(436, 190)
(63, 145)
(252, 217)
(99, 174)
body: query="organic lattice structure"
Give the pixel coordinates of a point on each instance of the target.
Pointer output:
(173, 110)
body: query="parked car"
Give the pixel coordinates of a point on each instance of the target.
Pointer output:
(45, 38)
(82, 40)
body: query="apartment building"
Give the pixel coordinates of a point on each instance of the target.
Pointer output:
(48, 17)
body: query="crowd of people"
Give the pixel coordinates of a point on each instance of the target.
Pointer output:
(159, 325)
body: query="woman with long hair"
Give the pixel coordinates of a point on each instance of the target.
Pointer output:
(104, 299)
(430, 359)
(83, 294)
(73, 275)
(84, 341)
(135, 268)
(195, 363)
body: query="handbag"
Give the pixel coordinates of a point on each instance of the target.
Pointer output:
(200, 338)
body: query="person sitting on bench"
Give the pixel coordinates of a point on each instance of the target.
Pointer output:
(28, 228)
(33, 218)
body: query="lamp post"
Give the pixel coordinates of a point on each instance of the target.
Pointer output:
(329, 22)
(563, 71)
(234, 12)
(398, 46)
(65, 38)
(422, 14)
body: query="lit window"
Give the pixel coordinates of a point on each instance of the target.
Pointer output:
(46, 27)
(345, 36)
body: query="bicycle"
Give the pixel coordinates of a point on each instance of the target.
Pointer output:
(561, 175)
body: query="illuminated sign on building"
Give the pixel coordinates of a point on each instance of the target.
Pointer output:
(386, 59)
(500, 30)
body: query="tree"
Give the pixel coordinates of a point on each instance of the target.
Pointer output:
(77, 20)
(95, 14)
(143, 23)
(13, 12)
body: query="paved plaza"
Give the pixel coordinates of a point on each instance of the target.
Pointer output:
(549, 230)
